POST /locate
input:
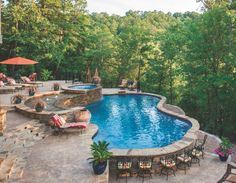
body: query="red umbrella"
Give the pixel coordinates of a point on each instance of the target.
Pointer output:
(19, 61)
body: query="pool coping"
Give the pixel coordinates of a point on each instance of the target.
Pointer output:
(187, 140)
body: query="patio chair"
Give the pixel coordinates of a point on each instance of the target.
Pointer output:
(1, 84)
(230, 174)
(26, 80)
(12, 82)
(195, 156)
(123, 84)
(199, 145)
(184, 160)
(33, 76)
(145, 168)
(133, 86)
(168, 165)
(60, 124)
(2, 77)
(124, 166)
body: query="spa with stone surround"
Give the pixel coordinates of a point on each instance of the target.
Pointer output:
(61, 102)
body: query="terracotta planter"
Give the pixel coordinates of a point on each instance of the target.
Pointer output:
(82, 116)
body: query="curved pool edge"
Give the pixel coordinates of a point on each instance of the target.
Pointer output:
(187, 140)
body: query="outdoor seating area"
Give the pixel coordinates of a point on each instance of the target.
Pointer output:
(128, 84)
(167, 166)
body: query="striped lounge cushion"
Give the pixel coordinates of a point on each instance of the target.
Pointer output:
(59, 121)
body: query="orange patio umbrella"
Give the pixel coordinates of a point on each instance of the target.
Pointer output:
(19, 61)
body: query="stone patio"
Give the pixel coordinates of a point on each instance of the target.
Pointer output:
(34, 154)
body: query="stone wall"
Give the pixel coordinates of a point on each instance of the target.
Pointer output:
(81, 99)
(2, 120)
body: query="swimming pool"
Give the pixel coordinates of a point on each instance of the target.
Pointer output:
(83, 87)
(133, 122)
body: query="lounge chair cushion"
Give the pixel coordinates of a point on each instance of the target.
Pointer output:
(25, 79)
(57, 121)
(2, 76)
(196, 153)
(184, 158)
(81, 125)
(11, 81)
(1, 83)
(124, 165)
(145, 164)
(61, 123)
(168, 163)
(62, 120)
(233, 171)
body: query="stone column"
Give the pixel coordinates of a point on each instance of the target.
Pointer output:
(2, 120)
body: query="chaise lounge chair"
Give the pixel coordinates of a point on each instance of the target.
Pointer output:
(60, 124)
(33, 76)
(133, 86)
(230, 175)
(123, 84)
(26, 80)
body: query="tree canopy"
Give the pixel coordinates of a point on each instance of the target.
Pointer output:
(188, 57)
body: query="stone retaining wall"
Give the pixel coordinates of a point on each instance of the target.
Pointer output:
(2, 120)
(43, 116)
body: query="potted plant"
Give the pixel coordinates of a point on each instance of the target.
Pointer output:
(225, 149)
(16, 99)
(100, 155)
(32, 91)
(56, 86)
(39, 106)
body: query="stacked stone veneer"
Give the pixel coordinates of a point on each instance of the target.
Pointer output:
(83, 97)
(70, 105)
(2, 120)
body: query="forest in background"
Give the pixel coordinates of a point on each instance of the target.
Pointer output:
(188, 57)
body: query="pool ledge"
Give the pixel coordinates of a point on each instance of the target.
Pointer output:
(187, 141)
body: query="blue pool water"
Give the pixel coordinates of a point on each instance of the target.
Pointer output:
(83, 87)
(133, 122)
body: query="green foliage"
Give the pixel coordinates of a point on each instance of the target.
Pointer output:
(46, 75)
(226, 144)
(100, 152)
(188, 57)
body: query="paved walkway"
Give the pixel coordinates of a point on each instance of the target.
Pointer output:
(62, 159)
